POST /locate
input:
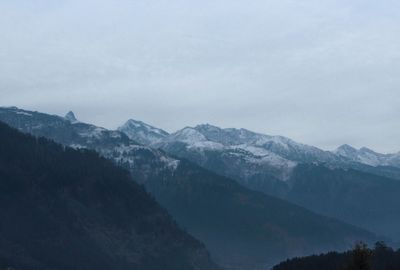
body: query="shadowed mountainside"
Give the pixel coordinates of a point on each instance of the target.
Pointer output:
(67, 209)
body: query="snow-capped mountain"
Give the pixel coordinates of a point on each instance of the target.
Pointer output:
(142, 132)
(252, 158)
(279, 145)
(231, 154)
(278, 149)
(367, 156)
(244, 155)
(69, 131)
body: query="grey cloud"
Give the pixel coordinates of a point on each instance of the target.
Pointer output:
(321, 72)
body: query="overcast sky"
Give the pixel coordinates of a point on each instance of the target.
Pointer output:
(320, 72)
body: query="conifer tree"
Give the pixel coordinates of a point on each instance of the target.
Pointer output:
(360, 258)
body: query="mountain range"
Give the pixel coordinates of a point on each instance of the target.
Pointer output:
(209, 137)
(367, 156)
(357, 186)
(243, 228)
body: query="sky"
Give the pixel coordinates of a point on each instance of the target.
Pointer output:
(323, 73)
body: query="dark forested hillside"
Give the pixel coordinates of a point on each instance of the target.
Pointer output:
(381, 257)
(66, 209)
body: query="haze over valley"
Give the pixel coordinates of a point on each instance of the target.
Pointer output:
(208, 135)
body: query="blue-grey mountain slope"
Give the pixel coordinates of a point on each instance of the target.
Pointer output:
(142, 132)
(341, 184)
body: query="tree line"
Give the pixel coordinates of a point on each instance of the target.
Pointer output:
(361, 257)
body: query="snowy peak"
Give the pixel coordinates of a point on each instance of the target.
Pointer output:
(364, 155)
(206, 128)
(279, 145)
(231, 149)
(226, 136)
(233, 136)
(70, 116)
(188, 135)
(345, 150)
(135, 124)
(192, 139)
(142, 132)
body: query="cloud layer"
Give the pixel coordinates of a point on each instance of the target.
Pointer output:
(320, 72)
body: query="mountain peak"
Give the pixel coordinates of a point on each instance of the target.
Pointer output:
(346, 151)
(189, 134)
(347, 148)
(70, 116)
(134, 122)
(142, 132)
(207, 127)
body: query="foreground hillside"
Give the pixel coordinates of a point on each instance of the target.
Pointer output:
(243, 229)
(66, 209)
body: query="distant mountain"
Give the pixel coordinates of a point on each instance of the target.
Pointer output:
(215, 138)
(70, 116)
(368, 156)
(142, 132)
(67, 209)
(332, 184)
(230, 152)
(243, 229)
(207, 137)
(279, 145)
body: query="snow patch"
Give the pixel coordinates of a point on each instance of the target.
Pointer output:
(24, 113)
(170, 162)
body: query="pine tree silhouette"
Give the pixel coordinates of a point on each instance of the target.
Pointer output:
(360, 258)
